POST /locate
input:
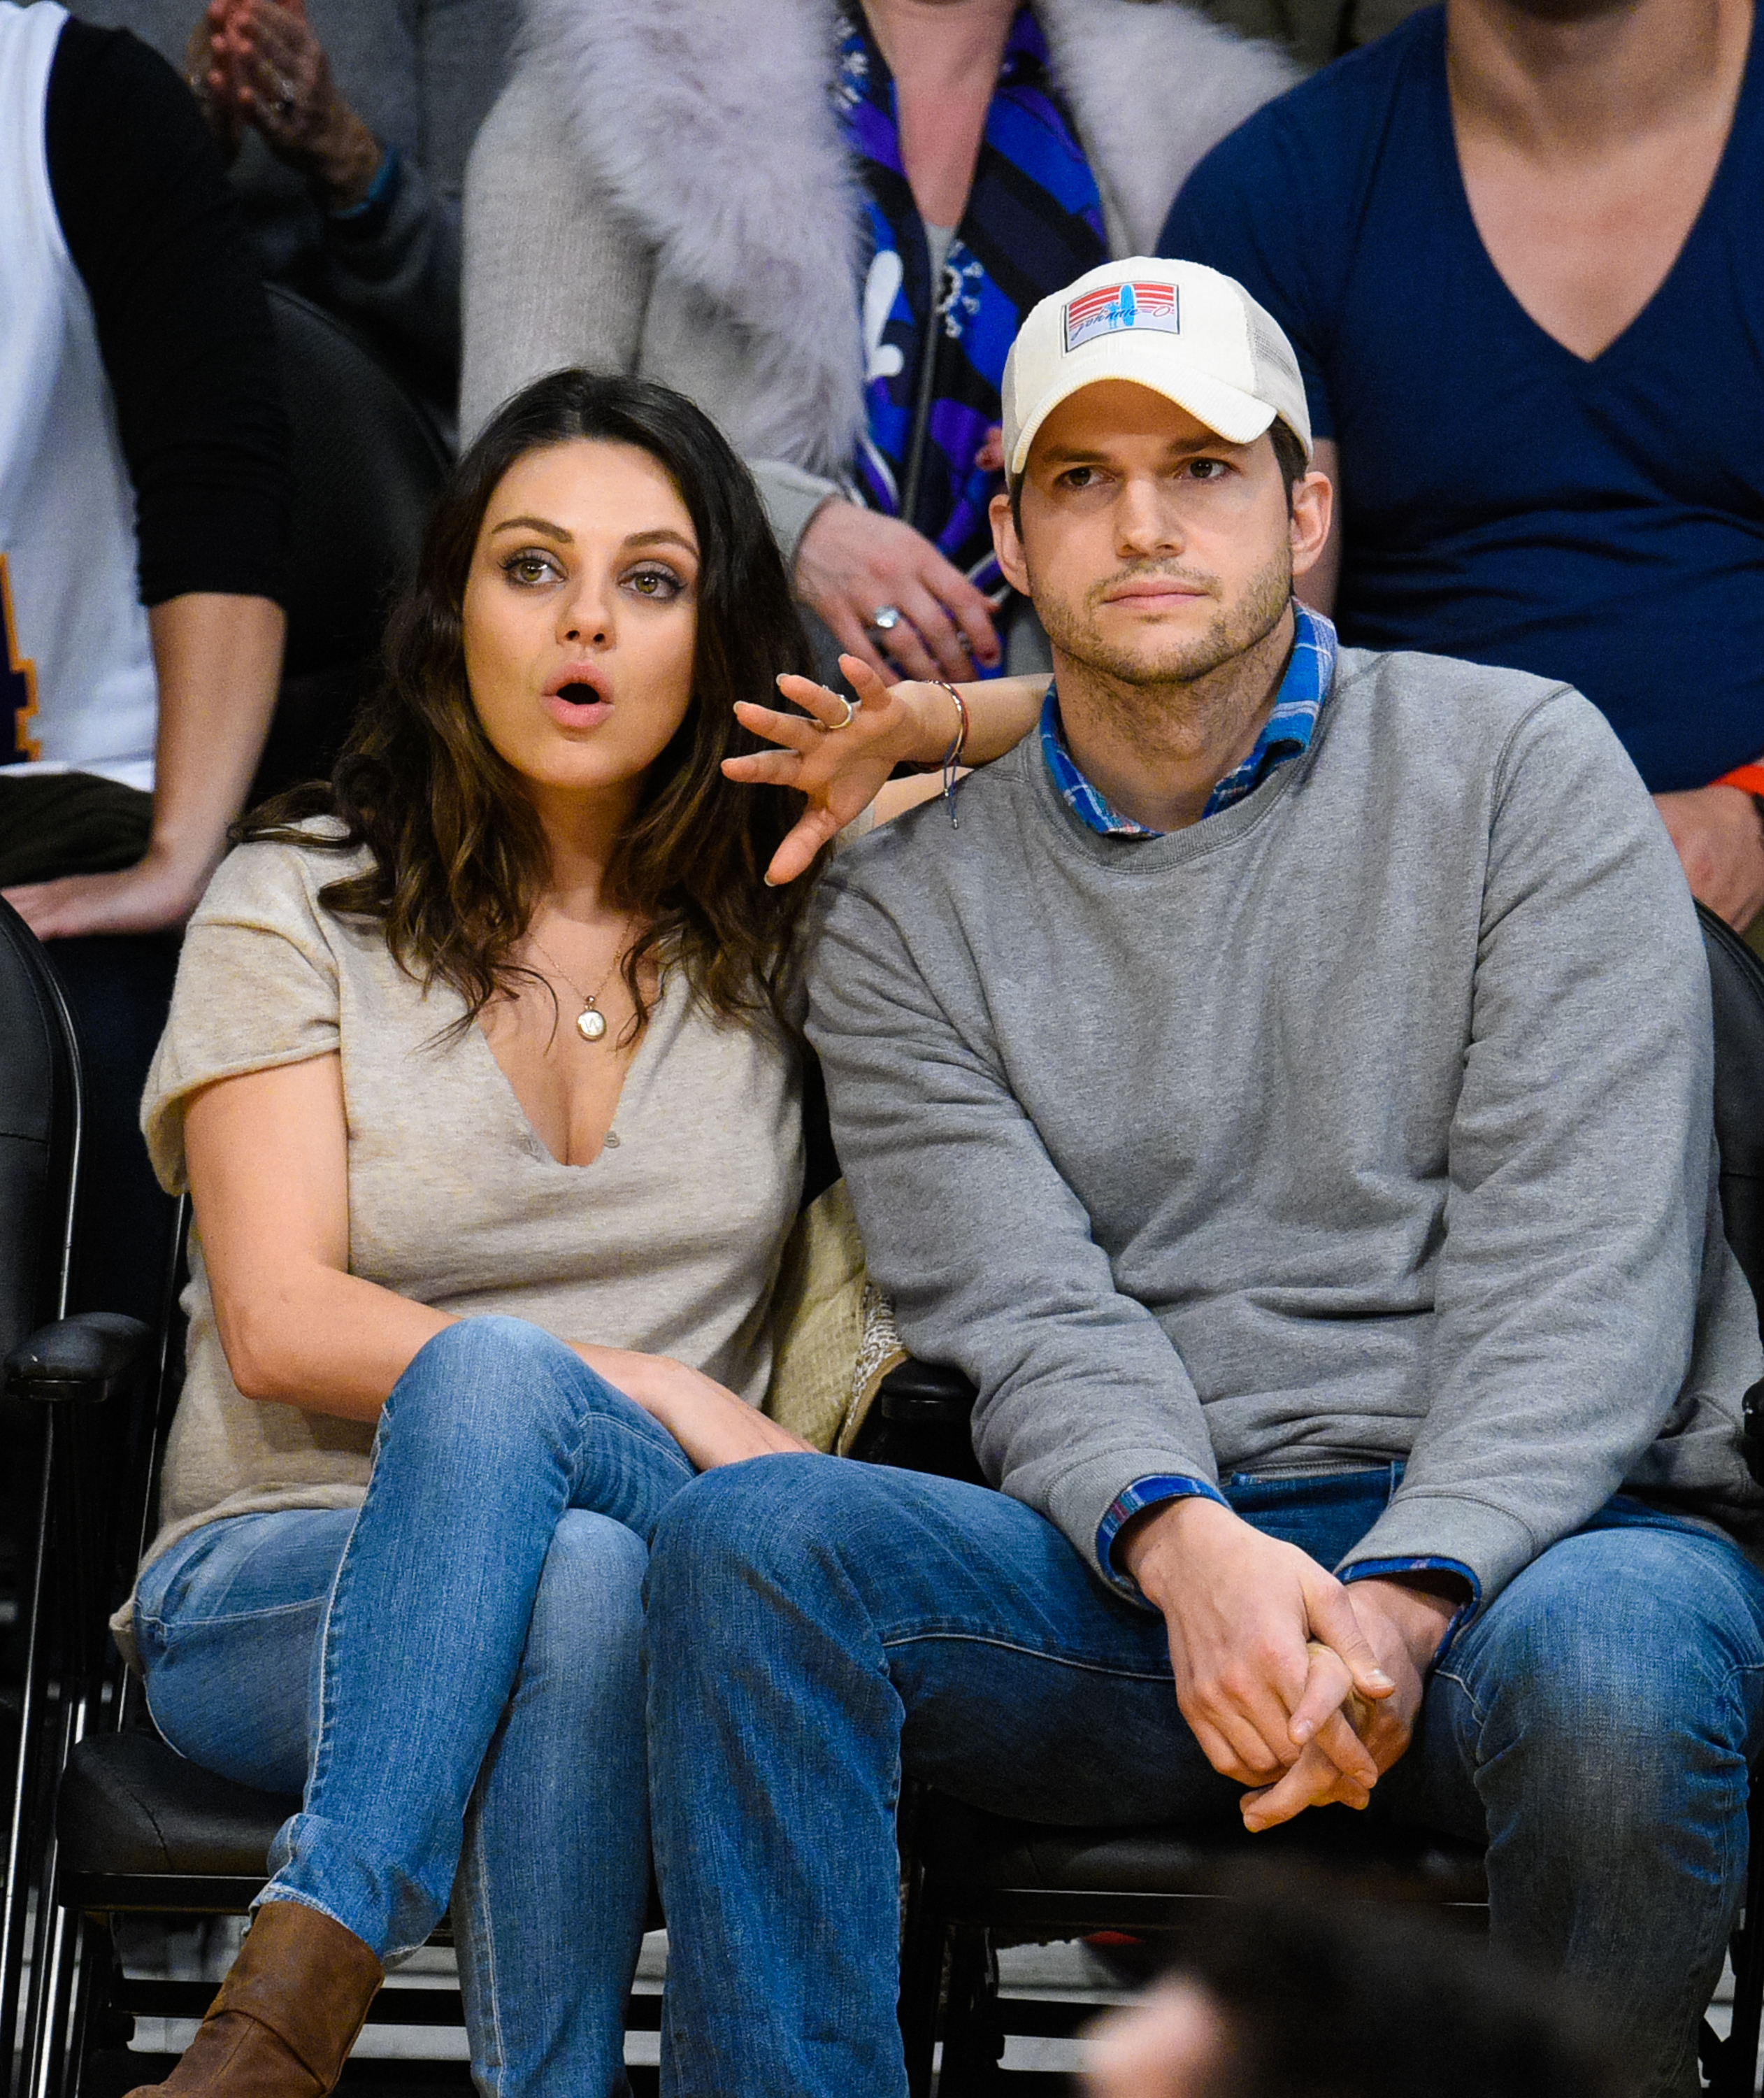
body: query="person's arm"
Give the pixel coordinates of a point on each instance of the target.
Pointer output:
(156, 233)
(218, 659)
(267, 1158)
(553, 277)
(1718, 832)
(843, 766)
(1581, 1205)
(391, 241)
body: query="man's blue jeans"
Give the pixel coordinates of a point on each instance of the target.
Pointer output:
(455, 1675)
(815, 1627)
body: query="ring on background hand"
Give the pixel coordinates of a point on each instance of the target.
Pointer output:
(885, 619)
(832, 728)
(284, 108)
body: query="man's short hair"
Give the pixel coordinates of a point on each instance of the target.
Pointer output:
(1288, 453)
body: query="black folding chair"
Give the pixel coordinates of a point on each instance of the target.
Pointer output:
(107, 1821)
(59, 1364)
(975, 1878)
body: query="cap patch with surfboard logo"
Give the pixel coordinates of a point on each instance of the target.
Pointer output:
(1110, 307)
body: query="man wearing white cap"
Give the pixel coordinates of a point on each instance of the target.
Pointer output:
(1270, 1100)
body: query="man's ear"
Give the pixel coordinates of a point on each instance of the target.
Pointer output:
(1007, 545)
(1313, 500)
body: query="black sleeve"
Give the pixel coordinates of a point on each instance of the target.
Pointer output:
(183, 327)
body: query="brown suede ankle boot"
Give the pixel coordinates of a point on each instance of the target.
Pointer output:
(287, 2015)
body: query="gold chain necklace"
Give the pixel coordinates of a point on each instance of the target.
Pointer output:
(590, 1022)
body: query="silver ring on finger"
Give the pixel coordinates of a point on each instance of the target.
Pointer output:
(832, 728)
(284, 108)
(885, 618)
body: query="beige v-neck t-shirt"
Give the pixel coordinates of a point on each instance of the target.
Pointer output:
(668, 1243)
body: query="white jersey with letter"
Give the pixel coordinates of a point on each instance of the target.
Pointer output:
(77, 690)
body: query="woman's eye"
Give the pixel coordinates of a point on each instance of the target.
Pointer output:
(530, 568)
(662, 584)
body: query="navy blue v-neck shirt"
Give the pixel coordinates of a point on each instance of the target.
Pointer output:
(1600, 521)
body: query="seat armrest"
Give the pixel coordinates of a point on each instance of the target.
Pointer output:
(89, 1357)
(927, 1395)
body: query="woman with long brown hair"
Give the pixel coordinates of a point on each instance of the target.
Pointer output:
(481, 1074)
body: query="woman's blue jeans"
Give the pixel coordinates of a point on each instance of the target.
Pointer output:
(816, 1627)
(455, 1674)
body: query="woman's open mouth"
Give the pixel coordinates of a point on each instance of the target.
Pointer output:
(578, 705)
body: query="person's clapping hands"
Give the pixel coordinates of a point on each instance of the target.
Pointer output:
(838, 756)
(258, 62)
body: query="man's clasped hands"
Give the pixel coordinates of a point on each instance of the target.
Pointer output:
(1301, 1687)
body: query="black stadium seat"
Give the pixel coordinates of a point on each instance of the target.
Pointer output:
(368, 465)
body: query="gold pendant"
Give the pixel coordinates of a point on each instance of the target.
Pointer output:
(590, 1023)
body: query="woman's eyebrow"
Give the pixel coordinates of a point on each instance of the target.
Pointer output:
(535, 525)
(663, 536)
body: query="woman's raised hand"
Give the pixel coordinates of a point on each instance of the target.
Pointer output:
(840, 765)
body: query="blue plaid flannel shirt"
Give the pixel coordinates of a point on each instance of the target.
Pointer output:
(1285, 734)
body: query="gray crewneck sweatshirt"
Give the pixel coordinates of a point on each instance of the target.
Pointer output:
(1369, 1119)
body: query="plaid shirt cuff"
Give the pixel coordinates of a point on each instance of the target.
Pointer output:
(1143, 1494)
(1393, 1570)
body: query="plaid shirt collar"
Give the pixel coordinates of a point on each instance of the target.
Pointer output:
(1286, 733)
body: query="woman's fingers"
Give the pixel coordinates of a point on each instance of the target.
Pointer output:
(937, 631)
(791, 730)
(869, 684)
(796, 853)
(829, 710)
(764, 768)
(906, 647)
(847, 630)
(969, 607)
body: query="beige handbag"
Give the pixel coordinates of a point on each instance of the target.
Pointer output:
(835, 1337)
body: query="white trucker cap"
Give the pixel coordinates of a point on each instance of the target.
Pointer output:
(1183, 330)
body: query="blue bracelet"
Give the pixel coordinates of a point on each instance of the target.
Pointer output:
(380, 191)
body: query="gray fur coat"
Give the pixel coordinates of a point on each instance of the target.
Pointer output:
(662, 188)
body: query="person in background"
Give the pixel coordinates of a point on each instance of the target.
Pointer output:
(1302, 1996)
(834, 266)
(347, 125)
(1517, 248)
(143, 507)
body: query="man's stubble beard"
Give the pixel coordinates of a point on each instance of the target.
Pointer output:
(1143, 690)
